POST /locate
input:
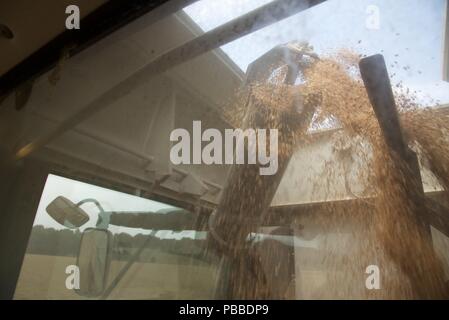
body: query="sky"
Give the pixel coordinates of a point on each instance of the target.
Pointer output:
(409, 35)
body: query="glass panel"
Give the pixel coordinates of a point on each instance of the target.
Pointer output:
(159, 272)
(299, 233)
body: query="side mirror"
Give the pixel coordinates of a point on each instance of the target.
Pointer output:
(67, 213)
(94, 258)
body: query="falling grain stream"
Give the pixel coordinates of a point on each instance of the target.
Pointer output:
(396, 233)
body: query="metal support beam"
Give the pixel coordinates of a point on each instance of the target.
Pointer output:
(414, 254)
(377, 82)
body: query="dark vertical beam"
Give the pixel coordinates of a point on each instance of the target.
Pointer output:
(413, 254)
(377, 83)
(22, 186)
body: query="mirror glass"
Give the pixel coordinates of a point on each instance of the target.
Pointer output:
(67, 213)
(93, 261)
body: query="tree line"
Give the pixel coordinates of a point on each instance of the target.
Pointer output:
(66, 242)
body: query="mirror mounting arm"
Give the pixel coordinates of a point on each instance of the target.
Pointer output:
(79, 204)
(103, 217)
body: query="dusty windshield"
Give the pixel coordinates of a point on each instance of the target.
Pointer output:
(258, 149)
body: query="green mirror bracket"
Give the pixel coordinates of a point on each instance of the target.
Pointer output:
(103, 217)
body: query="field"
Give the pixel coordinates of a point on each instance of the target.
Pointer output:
(44, 277)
